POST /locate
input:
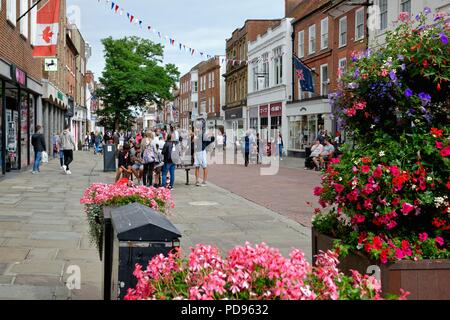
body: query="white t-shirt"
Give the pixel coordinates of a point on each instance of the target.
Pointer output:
(219, 140)
(159, 142)
(316, 150)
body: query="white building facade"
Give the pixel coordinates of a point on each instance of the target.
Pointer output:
(383, 14)
(270, 81)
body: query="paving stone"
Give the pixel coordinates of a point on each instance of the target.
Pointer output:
(42, 254)
(38, 267)
(54, 235)
(3, 267)
(29, 243)
(38, 280)
(13, 254)
(12, 226)
(88, 291)
(47, 227)
(26, 292)
(6, 279)
(14, 234)
(78, 255)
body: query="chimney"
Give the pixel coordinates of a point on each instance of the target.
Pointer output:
(289, 5)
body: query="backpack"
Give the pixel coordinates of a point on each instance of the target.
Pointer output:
(149, 154)
(175, 153)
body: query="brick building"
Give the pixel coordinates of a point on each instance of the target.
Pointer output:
(236, 75)
(325, 33)
(185, 98)
(20, 85)
(211, 92)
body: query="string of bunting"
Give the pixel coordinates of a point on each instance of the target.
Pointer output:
(133, 19)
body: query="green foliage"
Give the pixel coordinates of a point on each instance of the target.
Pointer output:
(133, 75)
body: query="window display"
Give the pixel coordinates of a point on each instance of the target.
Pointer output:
(303, 130)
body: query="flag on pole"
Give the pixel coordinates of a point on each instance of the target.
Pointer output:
(47, 29)
(304, 75)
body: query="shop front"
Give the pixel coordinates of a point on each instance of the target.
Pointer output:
(19, 95)
(305, 120)
(234, 124)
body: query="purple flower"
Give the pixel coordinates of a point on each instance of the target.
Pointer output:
(400, 57)
(418, 17)
(425, 97)
(408, 93)
(444, 38)
(356, 73)
(352, 85)
(427, 10)
(403, 67)
(393, 75)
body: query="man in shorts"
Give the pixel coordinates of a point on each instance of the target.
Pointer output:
(201, 142)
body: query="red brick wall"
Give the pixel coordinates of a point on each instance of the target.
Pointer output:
(206, 69)
(14, 48)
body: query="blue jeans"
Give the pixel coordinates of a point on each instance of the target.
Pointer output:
(168, 167)
(280, 150)
(61, 157)
(37, 161)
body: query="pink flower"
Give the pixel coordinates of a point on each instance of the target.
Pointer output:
(339, 187)
(423, 237)
(360, 105)
(440, 241)
(368, 204)
(446, 152)
(399, 254)
(359, 218)
(439, 145)
(404, 16)
(351, 112)
(378, 172)
(384, 73)
(318, 191)
(407, 208)
(365, 169)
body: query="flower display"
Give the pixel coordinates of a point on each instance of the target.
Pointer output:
(249, 273)
(387, 196)
(98, 196)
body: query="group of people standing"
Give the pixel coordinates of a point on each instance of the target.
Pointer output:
(153, 155)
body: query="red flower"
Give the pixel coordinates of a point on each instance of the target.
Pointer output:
(394, 170)
(368, 204)
(436, 132)
(439, 145)
(318, 191)
(425, 63)
(423, 237)
(351, 112)
(439, 87)
(358, 218)
(378, 172)
(366, 160)
(395, 202)
(384, 256)
(448, 185)
(377, 243)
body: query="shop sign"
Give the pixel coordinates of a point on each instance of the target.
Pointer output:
(60, 95)
(233, 114)
(51, 64)
(19, 76)
(264, 111)
(276, 109)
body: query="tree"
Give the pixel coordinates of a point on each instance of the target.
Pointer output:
(134, 74)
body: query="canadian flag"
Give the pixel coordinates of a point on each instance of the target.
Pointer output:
(47, 29)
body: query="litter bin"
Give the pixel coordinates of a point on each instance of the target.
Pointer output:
(136, 234)
(109, 158)
(308, 161)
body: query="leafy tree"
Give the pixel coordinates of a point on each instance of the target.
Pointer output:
(134, 74)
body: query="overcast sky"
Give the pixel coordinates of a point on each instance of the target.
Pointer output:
(201, 24)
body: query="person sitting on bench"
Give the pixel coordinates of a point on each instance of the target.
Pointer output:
(316, 151)
(125, 163)
(327, 153)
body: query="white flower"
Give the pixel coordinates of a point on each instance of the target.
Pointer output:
(429, 179)
(382, 154)
(413, 187)
(372, 126)
(439, 201)
(340, 178)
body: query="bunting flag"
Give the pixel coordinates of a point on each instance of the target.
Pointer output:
(47, 29)
(116, 8)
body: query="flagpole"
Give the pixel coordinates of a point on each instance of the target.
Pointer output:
(34, 5)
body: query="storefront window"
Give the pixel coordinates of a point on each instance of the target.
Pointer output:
(1, 128)
(303, 130)
(12, 130)
(254, 123)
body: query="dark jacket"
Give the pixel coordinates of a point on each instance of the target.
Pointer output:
(202, 144)
(125, 159)
(38, 142)
(167, 152)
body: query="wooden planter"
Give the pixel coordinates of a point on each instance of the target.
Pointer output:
(425, 280)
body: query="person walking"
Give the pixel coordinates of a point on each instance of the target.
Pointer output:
(280, 144)
(38, 142)
(247, 148)
(60, 152)
(170, 149)
(68, 145)
(55, 142)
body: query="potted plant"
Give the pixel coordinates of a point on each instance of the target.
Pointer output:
(385, 201)
(249, 273)
(99, 196)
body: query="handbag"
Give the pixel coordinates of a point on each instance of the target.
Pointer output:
(44, 157)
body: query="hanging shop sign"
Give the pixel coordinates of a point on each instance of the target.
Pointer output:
(51, 64)
(276, 109)
(264, 111)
